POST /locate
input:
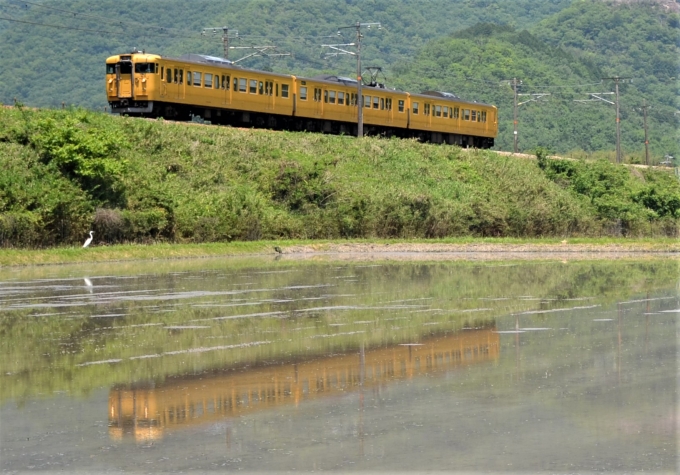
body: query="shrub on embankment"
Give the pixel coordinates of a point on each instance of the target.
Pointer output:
(135, 180)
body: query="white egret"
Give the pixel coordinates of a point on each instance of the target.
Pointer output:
(89, 240)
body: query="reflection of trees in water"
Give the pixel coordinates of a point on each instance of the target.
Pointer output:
(389, 303)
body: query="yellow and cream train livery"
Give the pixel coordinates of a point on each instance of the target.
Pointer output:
(149, 85)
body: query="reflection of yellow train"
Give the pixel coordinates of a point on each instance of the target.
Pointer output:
(145, 412)
(150, 85)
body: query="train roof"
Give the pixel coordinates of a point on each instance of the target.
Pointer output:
(204, 58)
(450, 96)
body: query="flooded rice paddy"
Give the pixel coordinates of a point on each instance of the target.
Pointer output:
(353, 366)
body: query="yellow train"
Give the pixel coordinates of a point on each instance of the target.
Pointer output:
(149, 85)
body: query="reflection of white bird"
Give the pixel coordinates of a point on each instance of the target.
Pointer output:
(89, 240)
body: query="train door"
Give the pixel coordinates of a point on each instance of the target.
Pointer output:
(164, 86)
(226, 89)
(270, 104)
(323, 97)
(175, 82)
(124, 79)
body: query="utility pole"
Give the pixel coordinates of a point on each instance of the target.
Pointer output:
(616, 80)
(644, 112)
(360, 102)
(225, 37)
(533, 97)
(514, 87)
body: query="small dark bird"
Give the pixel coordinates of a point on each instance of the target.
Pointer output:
(278, 249)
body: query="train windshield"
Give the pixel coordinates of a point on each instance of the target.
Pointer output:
(110, 69)
(144, 67)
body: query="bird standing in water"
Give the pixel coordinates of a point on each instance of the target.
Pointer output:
(278, 249)
(89, 240)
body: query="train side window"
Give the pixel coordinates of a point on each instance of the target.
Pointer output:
(445, 111)
(415, 108)
(155, 68)
(303, 93)
(376, 102)
(260, 87)
(401, 105)
(277, 89)
(466, 114)
(331, 97)
(367, 101)
(189, 78)
(284, 90)
(437, 111)
(242, 85)
(217, 81)
(253, 86)
(207, 80)
(197, 78)
(341, 98)
(162, 72)
(325, 96)
(474, 115)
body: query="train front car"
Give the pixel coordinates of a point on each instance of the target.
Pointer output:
(131, 83)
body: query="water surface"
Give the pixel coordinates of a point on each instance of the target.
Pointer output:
(263, 365)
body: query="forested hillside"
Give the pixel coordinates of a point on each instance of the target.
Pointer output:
(54, 53)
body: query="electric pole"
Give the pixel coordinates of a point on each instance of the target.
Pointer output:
(514, 87)
(225, 37)
(360, 102)
(616, 80)
(644, 112)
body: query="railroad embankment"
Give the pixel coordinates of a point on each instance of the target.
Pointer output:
(67, 172)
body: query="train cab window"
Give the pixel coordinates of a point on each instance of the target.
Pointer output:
(415, 108)
(331, 97)
(242, 84)
(144, 68)
(400, 104)
(466, 114)
(110, 69)
(474, 116)
(208, 80)
(303, 93)
(437, 111)
(162, 71)
(341, 98)
(253, 86)
(284, 90)
(155, 68)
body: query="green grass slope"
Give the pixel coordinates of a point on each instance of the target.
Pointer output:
(136, 180)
